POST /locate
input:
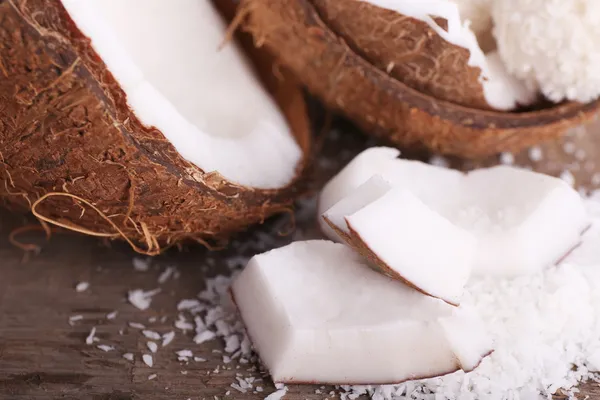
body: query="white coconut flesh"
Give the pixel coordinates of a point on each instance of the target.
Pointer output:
(206, 102)
(501, 90)
(315, 313)
(418, 244)
(523, 221)
(363, 195)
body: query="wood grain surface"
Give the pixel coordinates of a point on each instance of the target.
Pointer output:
(43, 357)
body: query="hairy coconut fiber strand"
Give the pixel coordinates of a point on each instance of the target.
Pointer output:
(378, 103)
(73, 151)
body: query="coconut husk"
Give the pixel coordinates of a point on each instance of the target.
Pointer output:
(74, 154)
(385, 106)
(407, 49)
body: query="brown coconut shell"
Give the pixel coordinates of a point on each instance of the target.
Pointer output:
(407, 49)
(73, 152)
(377, 102)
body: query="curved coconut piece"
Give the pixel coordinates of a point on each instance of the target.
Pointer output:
(76, 153)
(380, 104)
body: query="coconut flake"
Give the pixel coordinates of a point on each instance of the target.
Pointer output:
(152, 346)
(204, 337)
(151, 334)
(128, 356)
(137, 325)
(148, 360)
(112, 315)
(82, 287)
(141, 299)
(105, 347)
(141, 264)
(187, 304)
(167, 338)
(166, 275)
(152, 376)
(91, 338)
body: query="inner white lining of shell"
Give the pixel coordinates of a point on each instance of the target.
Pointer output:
(207, 102)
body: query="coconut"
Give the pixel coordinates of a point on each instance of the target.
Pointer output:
(522, 221)
(342, 51)
(405, 239)
(119, 119)
(317, 314)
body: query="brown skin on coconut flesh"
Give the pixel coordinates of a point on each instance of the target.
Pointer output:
(521, 221)
(316, 313)
(116, 128)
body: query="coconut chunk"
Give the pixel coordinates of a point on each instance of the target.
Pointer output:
(316, 313)
(205, 100)
(407, 240)
(523, 221)
(365, 194)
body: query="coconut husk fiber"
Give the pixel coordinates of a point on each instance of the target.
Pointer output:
(73, 153)
(379, 103)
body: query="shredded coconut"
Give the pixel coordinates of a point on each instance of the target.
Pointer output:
(128, 356)
(141, 299)
(105, 347)
(184, 353)
(148, 360)
(141, 264)
(82, 287)
(167, 338)
(166, 275)
(151, 334)
(137, 325)
(91, 338)
(552, 44)
(112, 315)
(152, 376)
(152, 346)
(536, 154)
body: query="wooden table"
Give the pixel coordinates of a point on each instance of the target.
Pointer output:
(43, 357)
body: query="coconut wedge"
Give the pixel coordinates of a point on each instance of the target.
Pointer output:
(316, 314)
(522, 221)
(404, 239)
(342, 51)
(121, 118)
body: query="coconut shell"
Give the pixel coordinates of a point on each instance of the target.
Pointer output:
(73, 152)
(407, 49)
(385, 106)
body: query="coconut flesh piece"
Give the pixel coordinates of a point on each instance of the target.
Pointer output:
(501, 90)
(317, 314)
(205, 101)
(523, 221)
(404, 239)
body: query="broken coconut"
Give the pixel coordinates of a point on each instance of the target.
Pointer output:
(403, 238)
(123, 119)
(401, 77)
(522, 221)
(316, 314)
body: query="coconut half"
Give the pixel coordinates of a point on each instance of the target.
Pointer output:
(342, 51)
(522, 221)
(136, 112)
(403, 238)
(316, 314)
